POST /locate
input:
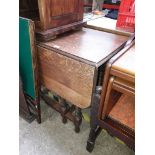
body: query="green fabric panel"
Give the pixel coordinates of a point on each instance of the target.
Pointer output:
(25, 58)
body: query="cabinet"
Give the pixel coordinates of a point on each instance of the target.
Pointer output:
(49, 14)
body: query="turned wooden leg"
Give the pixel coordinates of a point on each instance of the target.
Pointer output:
(95, 129)
(64, 109)
(77, 119)
(94, 132)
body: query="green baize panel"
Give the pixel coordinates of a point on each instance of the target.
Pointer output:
(25, 58)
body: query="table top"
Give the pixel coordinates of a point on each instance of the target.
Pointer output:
(87, 45)
(107, 25)
(126, 63)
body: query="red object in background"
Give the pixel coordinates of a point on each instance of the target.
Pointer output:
(110, 6)
(126, 16)
(105, 6)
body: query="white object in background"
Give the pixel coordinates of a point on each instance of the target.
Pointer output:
(106, 11)
(114, 1)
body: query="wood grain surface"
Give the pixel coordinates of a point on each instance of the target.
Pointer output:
(54, 13)
(69, 78)
(49, 14)
(34, 58)
(118, 77)
(124, 111)
(124, 86)
(126, 63)
(87, 44)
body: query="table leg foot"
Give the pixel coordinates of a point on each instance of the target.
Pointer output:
(90, 147)
(64, 120)
(77, 129)
(92, 138)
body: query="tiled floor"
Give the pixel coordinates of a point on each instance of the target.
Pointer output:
(52, 137)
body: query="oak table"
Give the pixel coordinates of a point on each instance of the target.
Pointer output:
(72, 65)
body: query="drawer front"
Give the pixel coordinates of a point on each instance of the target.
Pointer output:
(67, 77)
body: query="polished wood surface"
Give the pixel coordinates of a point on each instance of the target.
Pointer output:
(124, 111)
(54, 13)
(49, 14)
(53, 17)
(126, 63)
(124, 86)
(119, 76)
(69, 78)
(51, 34)
(87, 45)
(112, 73)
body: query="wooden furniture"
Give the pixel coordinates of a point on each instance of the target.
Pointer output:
(71, 68)
(107, 25)
(53, 17)
(24, 110)
(28, 66)
(113, 108)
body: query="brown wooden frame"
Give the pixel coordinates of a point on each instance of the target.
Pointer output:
(24, 110)
(34, 103)
(98, 120)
